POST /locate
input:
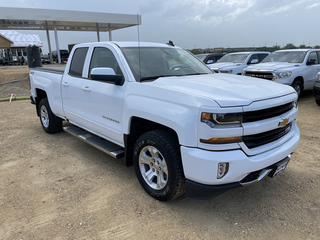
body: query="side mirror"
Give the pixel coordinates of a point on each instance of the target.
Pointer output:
(311, 61)
(106, 75)
(254, 61)
(209, 62)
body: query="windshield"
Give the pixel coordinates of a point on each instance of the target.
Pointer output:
(234, 58)
(158, 62)
(287, 56)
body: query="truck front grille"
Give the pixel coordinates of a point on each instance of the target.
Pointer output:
(266, 113)
(260, 139)
(260, 74)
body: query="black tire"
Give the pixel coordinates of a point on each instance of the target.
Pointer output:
(157, 163)
(318, 102)
(49, 122)
(297, 85)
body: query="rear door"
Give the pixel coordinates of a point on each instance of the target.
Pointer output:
(71, 86)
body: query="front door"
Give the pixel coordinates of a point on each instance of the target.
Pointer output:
(311, 70)
(102, 102)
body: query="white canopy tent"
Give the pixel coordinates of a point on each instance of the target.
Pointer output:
(63, 20)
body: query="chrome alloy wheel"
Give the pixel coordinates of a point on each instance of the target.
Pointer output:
(153, 167)
(298, 89)
(44, 116)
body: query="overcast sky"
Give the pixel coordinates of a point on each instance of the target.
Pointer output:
(197, 23)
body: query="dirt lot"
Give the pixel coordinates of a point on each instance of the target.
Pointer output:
(9, 84)
(10, 74)
(57, 187)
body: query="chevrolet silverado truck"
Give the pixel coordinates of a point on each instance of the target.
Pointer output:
(234, 63)
(185, 129)
(295, 67)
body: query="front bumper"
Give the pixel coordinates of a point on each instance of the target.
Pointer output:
(201, 166)
(316, 91)
(203, 191)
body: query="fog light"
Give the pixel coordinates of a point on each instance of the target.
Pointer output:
(223, 169)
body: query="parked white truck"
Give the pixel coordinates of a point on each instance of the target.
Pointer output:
(184, 128)
(234, 63)
(295, 67)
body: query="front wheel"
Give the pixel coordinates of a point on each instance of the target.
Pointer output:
(50, 123)
(157, 164)
(297, 85)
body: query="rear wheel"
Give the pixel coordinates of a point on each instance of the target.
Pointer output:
(157, 164)
(50, 123)
(318, 101)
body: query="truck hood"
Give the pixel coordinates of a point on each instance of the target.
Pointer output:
(274, 66)
(224, 65)
(227, 90)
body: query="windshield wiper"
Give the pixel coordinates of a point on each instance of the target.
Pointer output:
(193, 74)
(155, 77)
(159, 76)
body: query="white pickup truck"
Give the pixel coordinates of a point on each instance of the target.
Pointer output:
(184, 128)
(295, 67)
(234, 63)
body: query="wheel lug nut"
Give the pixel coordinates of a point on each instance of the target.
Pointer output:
(153, 170)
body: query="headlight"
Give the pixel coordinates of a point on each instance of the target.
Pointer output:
(222, 120)
(318, 77)
(283, 74)
(226, 71)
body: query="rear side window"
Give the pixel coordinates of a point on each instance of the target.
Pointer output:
(77, 62)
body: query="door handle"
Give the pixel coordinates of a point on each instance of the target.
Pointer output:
(86, 89)
(66, 84)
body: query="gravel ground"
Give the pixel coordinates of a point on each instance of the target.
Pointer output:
(57, 187)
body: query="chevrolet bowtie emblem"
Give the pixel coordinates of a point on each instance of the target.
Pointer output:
(284, 122)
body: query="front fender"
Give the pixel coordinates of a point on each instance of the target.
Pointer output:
(182, 119)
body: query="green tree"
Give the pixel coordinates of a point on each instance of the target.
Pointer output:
(303, 46)
(289, 46)
(195, 51)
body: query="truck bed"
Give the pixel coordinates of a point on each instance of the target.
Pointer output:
(57, 70)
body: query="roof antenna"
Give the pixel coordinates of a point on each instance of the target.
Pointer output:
(170, 43)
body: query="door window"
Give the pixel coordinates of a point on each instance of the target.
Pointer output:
(77, 62)
(103, 57)
(253, 59)
(313, 58)
(262, 56)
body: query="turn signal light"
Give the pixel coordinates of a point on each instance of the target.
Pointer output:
(222, 140)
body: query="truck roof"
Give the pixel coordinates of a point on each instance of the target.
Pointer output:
(129, 44)
(298, 50)
(249, 52)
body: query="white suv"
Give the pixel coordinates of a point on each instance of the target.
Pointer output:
(295, 67)
(234, 63)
